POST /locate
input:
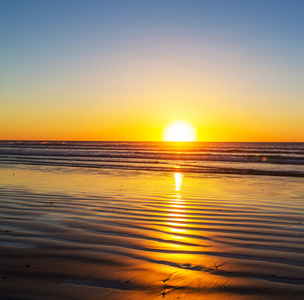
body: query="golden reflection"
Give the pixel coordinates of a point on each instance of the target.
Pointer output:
(178, 230)
(177, 237)
(175, 223)
(178, 180)
(177, 216)
(176, 219)
(176, 205)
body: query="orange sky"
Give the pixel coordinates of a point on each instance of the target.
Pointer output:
(106, 72)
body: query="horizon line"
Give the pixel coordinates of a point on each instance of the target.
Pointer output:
(130, 141)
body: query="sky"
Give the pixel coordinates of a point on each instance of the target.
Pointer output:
(123, 70)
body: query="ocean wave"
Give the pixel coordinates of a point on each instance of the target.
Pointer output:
(232, 158)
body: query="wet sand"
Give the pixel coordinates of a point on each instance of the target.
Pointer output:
(68, 233)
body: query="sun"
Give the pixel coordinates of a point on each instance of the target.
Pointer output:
(179, 131)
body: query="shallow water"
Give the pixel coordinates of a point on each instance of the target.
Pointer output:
(76, 233)
(280, 159)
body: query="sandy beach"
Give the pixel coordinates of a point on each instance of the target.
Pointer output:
(69, 233)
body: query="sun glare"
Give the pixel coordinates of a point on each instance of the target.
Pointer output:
(178, 180)
(180, 131)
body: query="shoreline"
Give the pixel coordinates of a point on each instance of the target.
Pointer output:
(173, 169)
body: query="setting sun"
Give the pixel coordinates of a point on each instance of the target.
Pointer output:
(180, 131)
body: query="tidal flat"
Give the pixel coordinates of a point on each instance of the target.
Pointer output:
(72, 233)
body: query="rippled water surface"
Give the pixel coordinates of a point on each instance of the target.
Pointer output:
(75, 233)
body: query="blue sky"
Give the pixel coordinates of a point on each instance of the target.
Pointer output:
(111, 56)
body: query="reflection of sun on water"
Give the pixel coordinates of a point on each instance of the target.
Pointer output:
(178, 181)
(178, 230)
(176, 212)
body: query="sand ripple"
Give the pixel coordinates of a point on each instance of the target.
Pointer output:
(120, 247)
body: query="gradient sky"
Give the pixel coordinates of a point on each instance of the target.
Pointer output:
(123, 70)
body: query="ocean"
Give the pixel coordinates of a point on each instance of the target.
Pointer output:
(151, 220)
(281, 159)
